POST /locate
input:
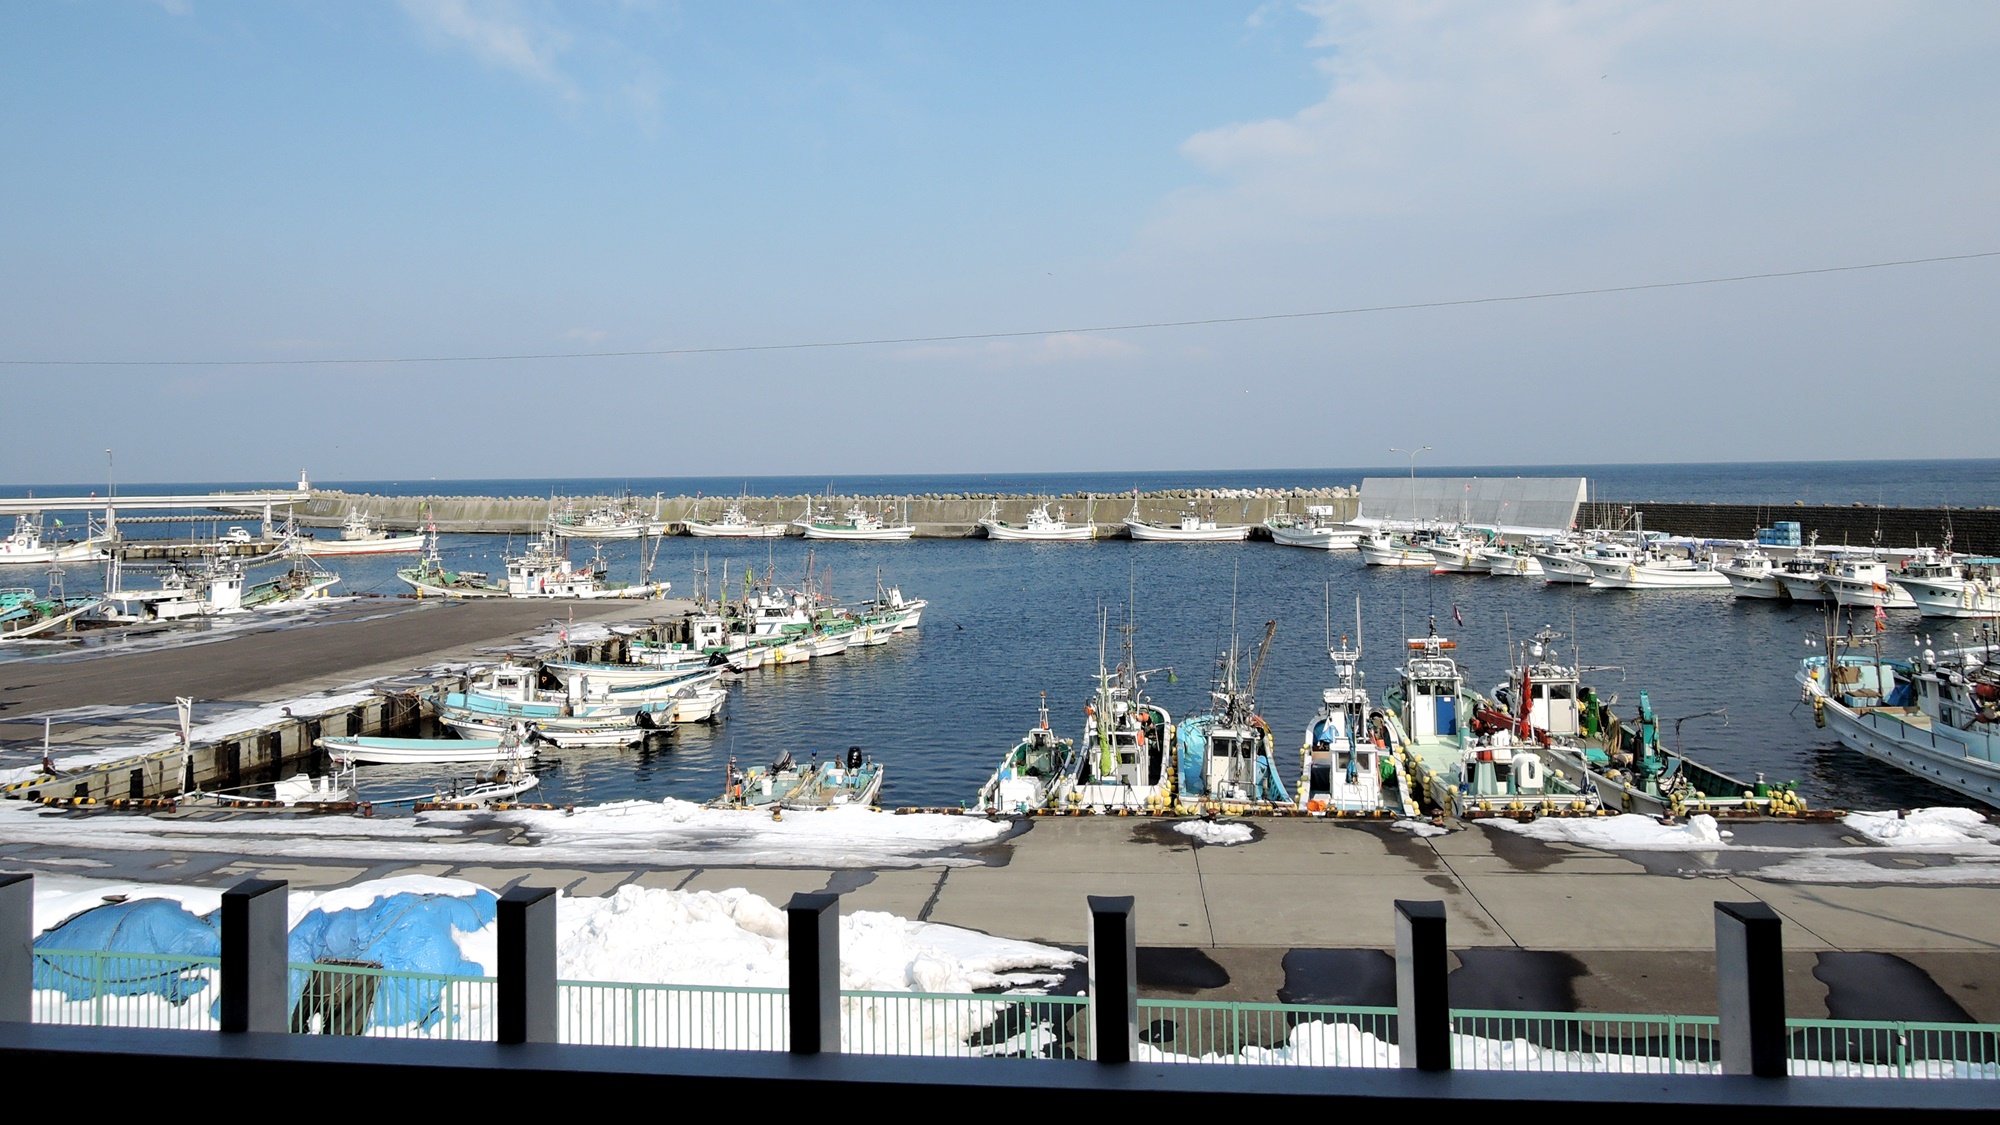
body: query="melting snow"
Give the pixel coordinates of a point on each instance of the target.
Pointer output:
(1211, 832)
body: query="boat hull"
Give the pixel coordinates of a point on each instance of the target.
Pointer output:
(735, 531)
(1954, 598)
(419, 751)
(1937, 753)
(880, 534)
(393, 545)
(1620, 575)
(1065, 534)
(1318, 538)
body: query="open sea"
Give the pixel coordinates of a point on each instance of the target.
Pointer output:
(1009, 622)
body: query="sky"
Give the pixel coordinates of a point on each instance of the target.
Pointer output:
(197, 180)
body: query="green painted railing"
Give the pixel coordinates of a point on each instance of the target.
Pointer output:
(180, 991)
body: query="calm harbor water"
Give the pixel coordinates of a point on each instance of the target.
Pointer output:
(1010, 621)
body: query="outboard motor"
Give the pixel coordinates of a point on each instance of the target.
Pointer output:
(854, 757)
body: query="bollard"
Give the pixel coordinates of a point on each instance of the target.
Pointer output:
(255, 957)
(1423, 1003)
(813, 926)
(1114, 978)
(1750, 985)
(17, 947)
(527, 962)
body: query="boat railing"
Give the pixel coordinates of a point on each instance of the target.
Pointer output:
(181, 991)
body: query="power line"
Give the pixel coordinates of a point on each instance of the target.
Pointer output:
(966, 337)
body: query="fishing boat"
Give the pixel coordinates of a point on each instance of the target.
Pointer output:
(851, 780)
(25, 614)
(607, 521)
(1458, 552)
(761, 787)
(1544, 704)
(855, 523)
(1041, 526)
(1345, 765)
(1510, 561)
(1125, 759)
(424, 751)
(1383, 547)
(1026, 779)
(510, 697)
(1937, 717)
(359, 536)
(1866, 582)
(1458, 763)
(734, 525)
(1804, 576)
(1562, 561)
(1621, 566)
(1225, 756)
(1319, 528)
(1192, 527)
(25, 546)
(1753, 574)
(304, 580)
(1953, 586)
(432, 578)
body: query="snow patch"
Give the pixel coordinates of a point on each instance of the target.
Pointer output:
(1420, 828)
(1218, 834)
(1936, 827)
(1627, 832)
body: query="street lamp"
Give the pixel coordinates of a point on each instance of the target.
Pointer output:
(1413, 476)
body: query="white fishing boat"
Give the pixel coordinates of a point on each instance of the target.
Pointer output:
(1319, 528)
(1954, 587)
(734, 525)
(1753, 574)
(1026, 779)
(1866, 582)
(1804, 577)
(1626, 567)
(1510, 562)
(25, 614)
(1125, 760)
(1458, 552)
(855, 523)
(1383, 547)
(1937, 717)
(1041, 526)
(1562, 561)
(1345, 766)
(1192, 527)
(25, 546)
(424, 751)
(608, 521)
(360, 536)
(545, 570)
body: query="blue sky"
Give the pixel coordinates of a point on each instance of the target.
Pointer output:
(262, 181)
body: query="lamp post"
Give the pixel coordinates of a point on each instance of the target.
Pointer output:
(1412, 453)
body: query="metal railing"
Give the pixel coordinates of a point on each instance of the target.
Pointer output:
(606, 1013)
(146, 990)
(1209, 1031)
(1584, 1043)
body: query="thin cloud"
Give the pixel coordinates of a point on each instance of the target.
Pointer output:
(497, 33)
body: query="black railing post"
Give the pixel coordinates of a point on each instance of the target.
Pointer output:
(255, 989)
(1423, 1002)
(1750, 984)
(813, 926)
(17, 947)
(1114, 978)
(527, 962)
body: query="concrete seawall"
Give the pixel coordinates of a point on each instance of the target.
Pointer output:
(942, 517)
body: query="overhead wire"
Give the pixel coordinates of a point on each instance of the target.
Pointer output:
(970, 337)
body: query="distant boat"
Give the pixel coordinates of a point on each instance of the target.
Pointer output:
(1318, 528)
(25, 546)
(855, 523)
(1040, 527)
(360, 536)
(1191, 528)
(735, 525)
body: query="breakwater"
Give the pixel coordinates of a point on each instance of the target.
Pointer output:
(1973, 530)
(952, 516)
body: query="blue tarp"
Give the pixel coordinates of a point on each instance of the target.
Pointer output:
(409, 933)
(1192, 735)
(148, 926)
